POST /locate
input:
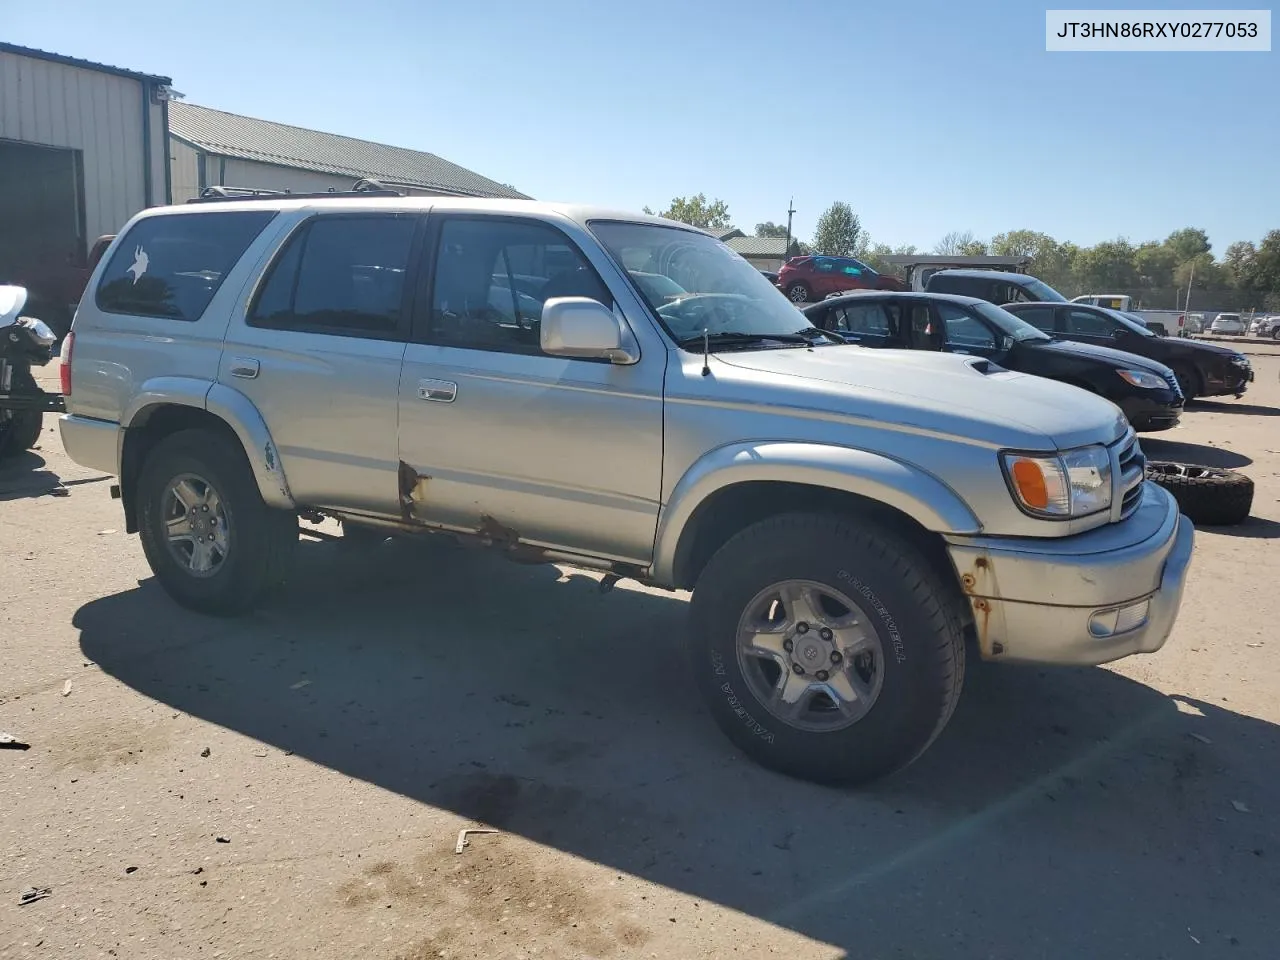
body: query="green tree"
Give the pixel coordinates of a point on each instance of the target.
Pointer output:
(1240, 262)
(1049, 260)
(839, 231)
(1106, 267)
(1155, 263)
(1188, 244)
(697, 211)
(771, 229)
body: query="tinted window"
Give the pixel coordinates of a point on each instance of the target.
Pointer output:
(1039, 317)
(965, 286)
(171, 266)
(1087, 323)
(872, 319)
(342, 275)
(965, 331)
(824, 265)
(493, 276)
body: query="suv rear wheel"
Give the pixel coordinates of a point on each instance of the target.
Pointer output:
(211, 540)
(799, 292)
(826, 649)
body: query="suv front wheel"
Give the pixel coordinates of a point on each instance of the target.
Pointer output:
(211, 540)
(827, 649)
(799, 292)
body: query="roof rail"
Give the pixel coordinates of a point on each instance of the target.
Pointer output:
(361, 188)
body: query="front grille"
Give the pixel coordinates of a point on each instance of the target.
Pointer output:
(1132, 466)
(1170, 379)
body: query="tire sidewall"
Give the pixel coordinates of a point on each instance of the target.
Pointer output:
(900, 723)
(804, 287)
(172, 460)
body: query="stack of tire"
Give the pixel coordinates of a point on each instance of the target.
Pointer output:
(1209, 496)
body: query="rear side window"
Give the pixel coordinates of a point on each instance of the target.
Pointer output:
(880, 320)
(341, 275)
(171, 266)
(1039, 317)
(965, 286)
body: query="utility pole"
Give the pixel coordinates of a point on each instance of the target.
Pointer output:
(791, 209)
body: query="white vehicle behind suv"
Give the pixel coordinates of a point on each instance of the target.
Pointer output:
(628, 395)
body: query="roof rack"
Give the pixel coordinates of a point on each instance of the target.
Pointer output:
(361, 188)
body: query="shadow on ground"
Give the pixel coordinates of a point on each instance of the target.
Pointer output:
(1220, 406)
(1252, 528)
(1199, 454)
(25, 475)
(1062, 814)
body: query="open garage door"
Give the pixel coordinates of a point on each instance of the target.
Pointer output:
(42, 226)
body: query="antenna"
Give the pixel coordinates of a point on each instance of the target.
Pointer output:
(706, 352)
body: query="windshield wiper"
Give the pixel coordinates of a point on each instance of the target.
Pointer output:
(736, 337)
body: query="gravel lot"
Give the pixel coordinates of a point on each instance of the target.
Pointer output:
(341, 738)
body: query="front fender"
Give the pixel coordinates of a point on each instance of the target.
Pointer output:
(920, 495)
(232, 408)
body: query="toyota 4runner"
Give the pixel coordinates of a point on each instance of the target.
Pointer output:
(511, 372)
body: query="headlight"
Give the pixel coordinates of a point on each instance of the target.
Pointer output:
(1140, 378)
(1240, 360)
(1076, 483)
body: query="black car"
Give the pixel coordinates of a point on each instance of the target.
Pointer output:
(1202, 369)
(1145, 390)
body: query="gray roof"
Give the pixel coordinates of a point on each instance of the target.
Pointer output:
(35, 54)
(231, 135)
(759, 246)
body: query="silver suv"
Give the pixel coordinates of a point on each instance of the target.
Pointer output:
(625, 394)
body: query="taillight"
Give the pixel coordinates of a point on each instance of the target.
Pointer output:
(64, 372)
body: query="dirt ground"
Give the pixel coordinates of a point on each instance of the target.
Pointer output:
(292, 784)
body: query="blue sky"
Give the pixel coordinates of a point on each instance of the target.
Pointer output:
(925, 116)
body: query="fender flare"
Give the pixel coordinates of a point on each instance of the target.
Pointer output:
(231, 407)
(918, 494)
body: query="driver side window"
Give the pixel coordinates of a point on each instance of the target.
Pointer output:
(492, 277)
(1086, 323)
(963, 331)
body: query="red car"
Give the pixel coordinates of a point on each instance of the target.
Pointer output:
(805, 279)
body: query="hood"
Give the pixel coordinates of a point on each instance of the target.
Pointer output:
(12, 300)
(941, 393)
(1189, 347)
(1107, 355)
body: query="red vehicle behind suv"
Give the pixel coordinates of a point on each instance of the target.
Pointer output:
(804, 279)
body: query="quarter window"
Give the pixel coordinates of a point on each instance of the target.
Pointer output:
(171, 266)
(492, 277)
(340, 275)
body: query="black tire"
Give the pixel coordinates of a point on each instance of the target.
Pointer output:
(1275, 332)
(1188, 382)
(1208, 496)
(21, 431)
(799, 292)
(913, 613)
(260, 540)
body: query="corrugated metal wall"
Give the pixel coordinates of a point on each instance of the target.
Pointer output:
(184, 167)
(59, 105)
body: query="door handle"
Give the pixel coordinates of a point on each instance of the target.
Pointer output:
(246, 368)
(442, 391)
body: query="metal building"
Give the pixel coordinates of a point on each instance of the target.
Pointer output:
(82, 149)
(214, 148)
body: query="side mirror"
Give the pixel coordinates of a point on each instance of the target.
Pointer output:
(1006, 343)
(585, 328)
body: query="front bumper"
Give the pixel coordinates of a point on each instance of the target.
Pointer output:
(1233, 380)
(1149, 414)
(1044, 601)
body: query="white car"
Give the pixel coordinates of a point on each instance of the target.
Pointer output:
(1227, 323)
(1267, 327)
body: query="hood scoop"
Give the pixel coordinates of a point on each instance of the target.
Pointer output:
(985, 366)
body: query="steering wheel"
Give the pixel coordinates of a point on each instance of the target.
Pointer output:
(705, 311)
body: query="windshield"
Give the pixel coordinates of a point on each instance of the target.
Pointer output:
(1006, 322)
(696, 284)
(1041, 290)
